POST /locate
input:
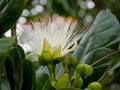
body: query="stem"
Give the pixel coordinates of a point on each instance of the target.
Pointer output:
(51, 68)
(13, 32)
(76, 80)
(0, 75)
(71, 71)
(66, 69)
(0, 72)
(105, 57)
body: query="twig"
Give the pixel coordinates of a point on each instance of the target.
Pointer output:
(105, 57)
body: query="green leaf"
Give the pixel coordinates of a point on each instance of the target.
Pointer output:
(3, 3)
(28, 75)
(42, 74)
(5, 84)
(21, 51)
(69, 88)
(102, 38)
(14, 69)
(10, 13)
(108, 75)
(43, 82)
(5, 45)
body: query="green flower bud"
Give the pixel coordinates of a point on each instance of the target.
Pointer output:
(84, 70)
(88, 70)
(80, 69)
(94, 86)
(45, 58)
(73, 60)
(66, 65)
(70, 65)
(66, 62)
(79, 83)
(63, 81)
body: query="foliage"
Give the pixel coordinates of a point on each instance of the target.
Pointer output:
(10, 11)
(97, 55)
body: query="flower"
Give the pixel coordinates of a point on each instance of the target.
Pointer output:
(56, 35)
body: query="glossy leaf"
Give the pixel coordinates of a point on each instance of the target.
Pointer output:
(5, 84)
(9, 14)
(42, 73)
(21, 51)
(28, 76)
(14, 69)
(102, 38)
(43, 82)
(5, 45)
(108, 75)
(3, 3)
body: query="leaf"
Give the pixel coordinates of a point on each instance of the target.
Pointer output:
(9, 14)
(21, 51)
(98, 41)
(28, 75)
(5, 84)
(2, 4)
(42, 74)
(14, 69)
(5, 45)
(42, 77)
(102, 38)
(43, 82)
(63, 82)
(108, 75)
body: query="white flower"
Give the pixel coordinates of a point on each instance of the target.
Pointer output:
(57, 35)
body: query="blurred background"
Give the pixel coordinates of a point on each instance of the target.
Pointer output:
(84, 10)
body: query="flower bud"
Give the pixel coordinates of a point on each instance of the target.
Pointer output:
(79, 83)
(94, 86)
(88, 70)
(66, 62)
(73, 60)
(45, 58)
(66, 65)
(63, 81)
(84, 70)
(70, 64)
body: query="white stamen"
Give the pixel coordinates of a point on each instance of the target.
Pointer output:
(56, 30)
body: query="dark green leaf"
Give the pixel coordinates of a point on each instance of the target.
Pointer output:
(14, 69)
(42, 74)
(28, 75)
(108, 75)
(43, 82)
(22, 53)
(3, 3)
(10, 14)
(102, 38)
(5, 46)
(5, 84)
